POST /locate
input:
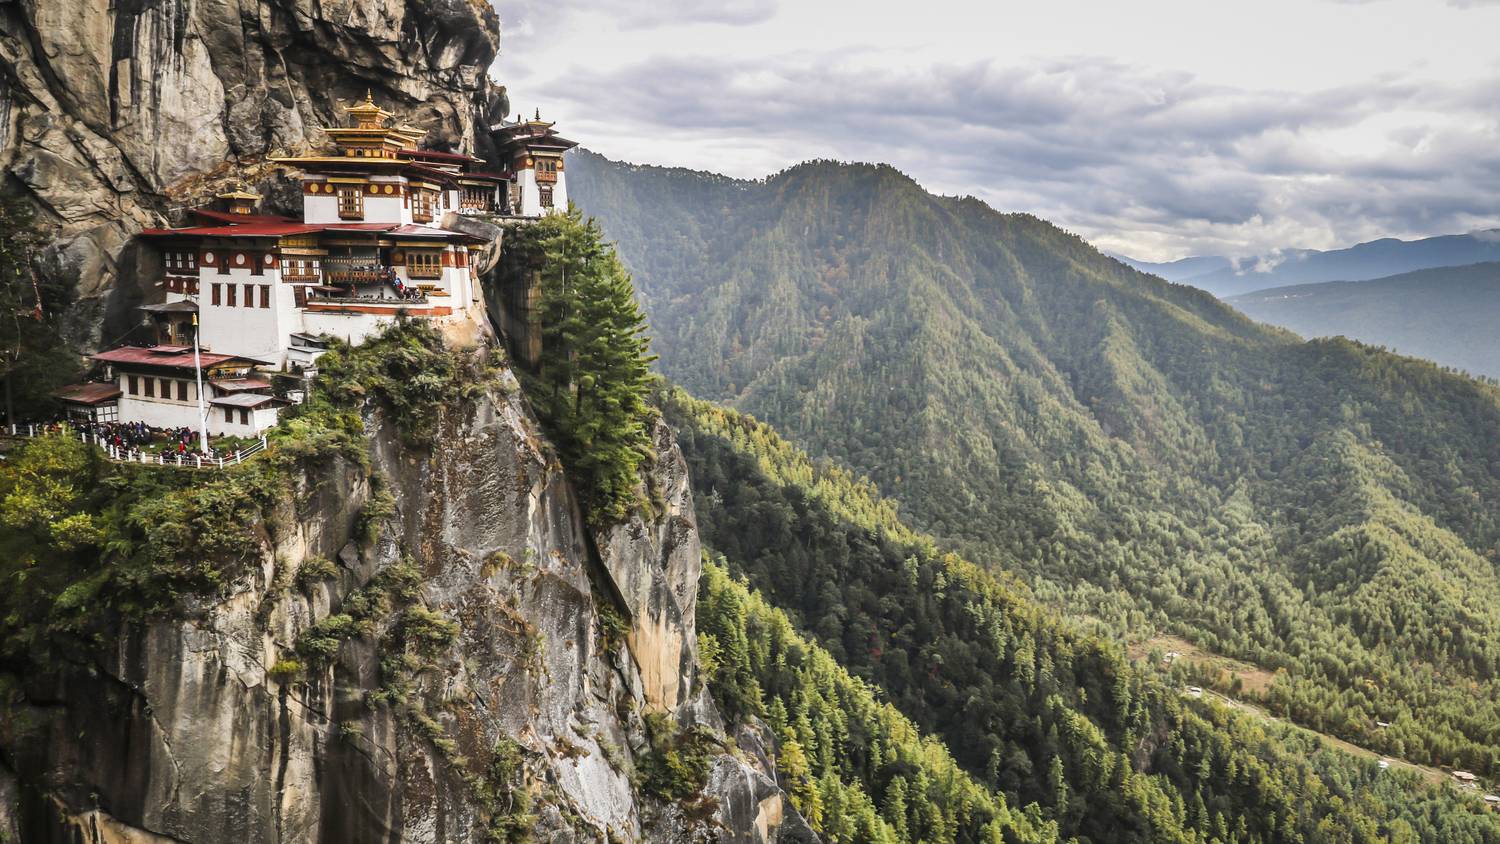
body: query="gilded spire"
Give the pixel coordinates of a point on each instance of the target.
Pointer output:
(368, 115)
(240, 200)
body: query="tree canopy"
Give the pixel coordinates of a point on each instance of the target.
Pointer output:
(1144, 458)
(591, 385)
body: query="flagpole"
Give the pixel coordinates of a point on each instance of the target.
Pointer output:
(202, 409)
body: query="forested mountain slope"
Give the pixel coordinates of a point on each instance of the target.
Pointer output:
(1447, 315)
(1135, 450)
(1052, 719)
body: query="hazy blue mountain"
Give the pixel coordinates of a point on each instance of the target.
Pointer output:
(1181, 270)
(1445, 314)
(1375, 259)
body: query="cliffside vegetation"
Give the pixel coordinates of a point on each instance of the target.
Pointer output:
(1142, 457)
(591, 385)
(1038, 715)
(85, 541)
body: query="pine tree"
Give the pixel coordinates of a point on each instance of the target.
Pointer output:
(592, 385)
(895, 807)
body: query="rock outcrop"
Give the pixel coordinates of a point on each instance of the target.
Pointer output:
(214, 724)
(488, 663)
(116, 113)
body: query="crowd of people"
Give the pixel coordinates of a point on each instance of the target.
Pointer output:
(131, 439)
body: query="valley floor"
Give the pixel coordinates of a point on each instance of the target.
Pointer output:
(1255, 680)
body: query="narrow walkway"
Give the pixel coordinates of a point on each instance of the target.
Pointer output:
(135, 455)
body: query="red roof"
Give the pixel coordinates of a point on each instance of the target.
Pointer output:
(356, 227)
(430, 172)
(90, 394)
(428, 231)
(245, 230)
(434, 155)
(270, 229)
(174, 357)
(227, 217)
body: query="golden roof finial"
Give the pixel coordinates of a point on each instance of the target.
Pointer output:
(368, 115)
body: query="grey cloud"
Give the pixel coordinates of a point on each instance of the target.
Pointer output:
(1457, 4)
(633, 14)
(1102, 148)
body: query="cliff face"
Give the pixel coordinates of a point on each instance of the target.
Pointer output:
(114, 113)
(435, 649)
(487, 636)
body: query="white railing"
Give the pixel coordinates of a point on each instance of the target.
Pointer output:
(190, 460)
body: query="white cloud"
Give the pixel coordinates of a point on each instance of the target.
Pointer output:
(543, 17)
(1150, 144)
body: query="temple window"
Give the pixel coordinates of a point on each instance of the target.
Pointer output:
(424, 264)
(421, 205)
(476, 197)
(544, 194)
(351, 203)
(182, 262)
(300, 268)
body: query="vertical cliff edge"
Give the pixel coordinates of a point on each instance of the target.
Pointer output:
(420, 646)
(409, 641)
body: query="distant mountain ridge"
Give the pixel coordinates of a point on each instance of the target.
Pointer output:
(1137, 451)
(1180, 270)
(1388, 256)
(1445, 314)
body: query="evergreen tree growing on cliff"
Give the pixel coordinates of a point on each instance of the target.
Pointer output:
(592, 384)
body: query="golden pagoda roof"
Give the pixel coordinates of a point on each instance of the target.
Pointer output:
(410, 132)
(368, 115)
(239, 193)
(538, 122)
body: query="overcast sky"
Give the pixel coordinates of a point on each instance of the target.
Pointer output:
(1157, 128)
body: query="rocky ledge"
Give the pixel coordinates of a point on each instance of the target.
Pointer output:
(424, 650)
